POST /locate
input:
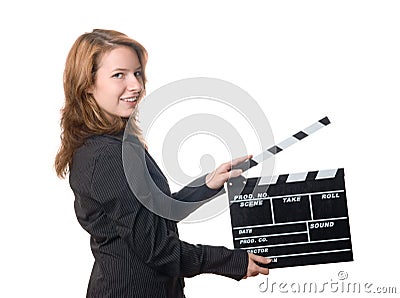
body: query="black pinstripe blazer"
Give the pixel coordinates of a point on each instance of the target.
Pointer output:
(137, 253)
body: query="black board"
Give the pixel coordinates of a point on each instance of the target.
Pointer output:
(294, 219)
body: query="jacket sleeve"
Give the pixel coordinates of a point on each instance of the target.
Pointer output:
(148, 235)
(197, 191)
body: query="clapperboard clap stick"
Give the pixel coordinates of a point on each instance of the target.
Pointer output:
(283, 145)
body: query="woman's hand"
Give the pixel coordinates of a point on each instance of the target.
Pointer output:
(253, 268)
(220, 175)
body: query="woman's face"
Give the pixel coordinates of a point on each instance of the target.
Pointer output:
(118, 82)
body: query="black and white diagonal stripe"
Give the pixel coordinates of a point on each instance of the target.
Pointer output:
(291, 140)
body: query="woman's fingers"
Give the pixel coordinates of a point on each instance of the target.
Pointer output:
(224, 172)
(227, 166)
(260, 259)
(253, 268)
(234, 173)
(241, 159)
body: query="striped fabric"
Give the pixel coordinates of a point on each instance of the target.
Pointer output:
(137, 253)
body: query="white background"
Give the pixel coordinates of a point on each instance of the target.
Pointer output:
(301, 60)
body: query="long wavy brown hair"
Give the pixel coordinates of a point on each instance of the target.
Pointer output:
(81, 116)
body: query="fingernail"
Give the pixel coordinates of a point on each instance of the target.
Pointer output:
(268, 260)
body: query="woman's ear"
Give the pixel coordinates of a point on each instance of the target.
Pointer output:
(90, 90)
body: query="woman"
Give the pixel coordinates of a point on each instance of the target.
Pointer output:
(137, 253)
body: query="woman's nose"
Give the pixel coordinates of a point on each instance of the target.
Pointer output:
(134, 83)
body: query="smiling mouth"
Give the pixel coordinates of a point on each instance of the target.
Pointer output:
(129, 99)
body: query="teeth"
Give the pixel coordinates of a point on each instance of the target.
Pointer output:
(130, 99)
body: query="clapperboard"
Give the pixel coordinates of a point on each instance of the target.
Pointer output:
(294, 219)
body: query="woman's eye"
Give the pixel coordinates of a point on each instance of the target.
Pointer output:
(119, 75)
(138, 74)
